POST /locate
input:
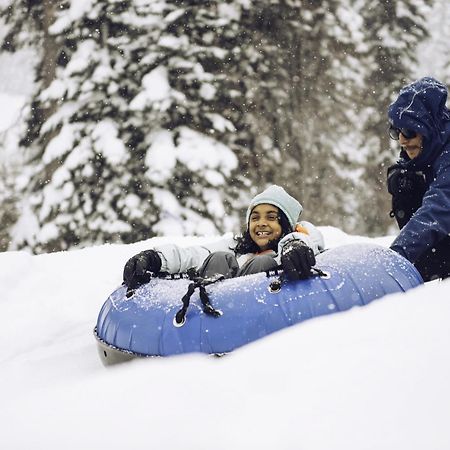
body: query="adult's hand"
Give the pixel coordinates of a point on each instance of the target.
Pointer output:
(405, 182)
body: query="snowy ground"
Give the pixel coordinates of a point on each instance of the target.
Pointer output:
(370, 378)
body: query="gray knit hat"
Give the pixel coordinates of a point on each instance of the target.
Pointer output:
(277, 196)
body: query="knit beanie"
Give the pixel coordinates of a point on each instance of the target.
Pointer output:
(277, 196)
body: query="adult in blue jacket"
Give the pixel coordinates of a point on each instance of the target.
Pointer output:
(420, 180)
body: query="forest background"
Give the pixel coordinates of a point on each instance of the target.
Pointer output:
(140, 118)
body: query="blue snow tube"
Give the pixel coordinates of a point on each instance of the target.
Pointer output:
(252, 306)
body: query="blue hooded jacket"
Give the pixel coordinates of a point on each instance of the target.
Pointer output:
(420, 106)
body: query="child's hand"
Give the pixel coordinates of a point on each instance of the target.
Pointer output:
(297, 259)
(137, 267)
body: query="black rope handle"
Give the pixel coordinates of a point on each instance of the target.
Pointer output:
(201, 283)
(207, 307)
(278, 272)
(180, 316)
(319, 272)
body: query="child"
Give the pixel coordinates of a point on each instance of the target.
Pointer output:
(272, 235)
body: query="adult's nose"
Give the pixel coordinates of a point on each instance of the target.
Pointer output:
(402, 139)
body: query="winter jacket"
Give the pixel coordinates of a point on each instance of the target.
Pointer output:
(177, 259)
(421, 107)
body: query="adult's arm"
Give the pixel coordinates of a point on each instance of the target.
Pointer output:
(431, 222)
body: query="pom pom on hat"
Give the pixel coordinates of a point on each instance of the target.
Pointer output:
(277, 196)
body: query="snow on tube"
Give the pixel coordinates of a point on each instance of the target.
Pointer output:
(252, 308)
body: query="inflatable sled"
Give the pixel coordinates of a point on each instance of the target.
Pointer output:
(253, 306)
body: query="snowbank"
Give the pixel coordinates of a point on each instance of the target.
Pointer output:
(370, 378)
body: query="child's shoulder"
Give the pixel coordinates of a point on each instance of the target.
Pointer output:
(315, 235)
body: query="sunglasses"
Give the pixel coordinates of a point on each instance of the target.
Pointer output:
(394, 133)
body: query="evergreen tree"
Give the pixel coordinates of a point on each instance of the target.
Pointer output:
(155, 116)
(434, 52)
(72, 139)
(393, 30)
(197, 119)
(300, 75)
(129, 145)
(8, 207)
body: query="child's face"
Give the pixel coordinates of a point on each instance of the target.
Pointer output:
(264, 225)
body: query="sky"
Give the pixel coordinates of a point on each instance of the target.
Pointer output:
(374, 377)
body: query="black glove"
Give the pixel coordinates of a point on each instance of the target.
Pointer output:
(405, 182)
(137, 268)
(407, 189)
(297, 259)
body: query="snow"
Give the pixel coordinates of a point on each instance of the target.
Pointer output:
(61, 144)
(107, 143)
(76, 11)
(199, 153)
(229, 12)
(370, 378)
(156, 88)
(8, 117)
(219, 122)
(80, 60)
(13, 81)
(208, 91)
(433, 53)
(161, 156)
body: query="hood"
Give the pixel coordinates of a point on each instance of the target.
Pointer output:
(420, 106)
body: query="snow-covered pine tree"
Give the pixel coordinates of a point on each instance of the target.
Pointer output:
(23, 27)
(76, 154)
(301, 75)
(192, 153)
(8, 206)
(392, 32)
(434, 53)
(128, 143)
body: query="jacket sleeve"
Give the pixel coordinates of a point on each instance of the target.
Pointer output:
(309, 234)
(431, 222)
(177, 259)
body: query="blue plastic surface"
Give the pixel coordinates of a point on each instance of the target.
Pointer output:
(143, 324)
